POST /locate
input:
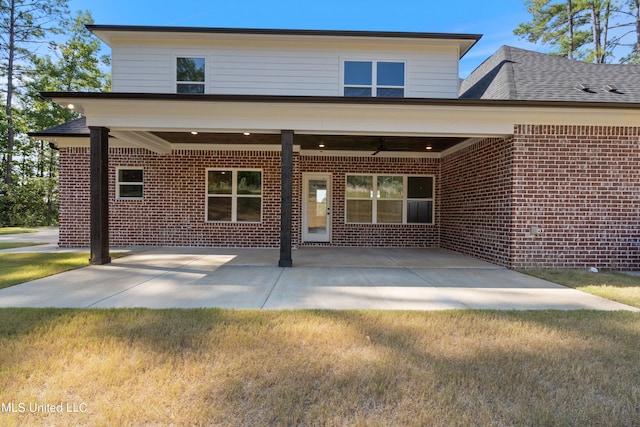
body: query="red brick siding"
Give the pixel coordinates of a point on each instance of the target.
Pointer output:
(389, 235)
(581, 186)
(74, 197)
(476, 200)
(172, 211)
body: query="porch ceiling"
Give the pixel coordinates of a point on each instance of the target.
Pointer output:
(370, 143)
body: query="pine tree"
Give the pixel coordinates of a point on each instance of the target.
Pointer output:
(24, 25)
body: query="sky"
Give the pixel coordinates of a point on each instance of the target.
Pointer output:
(494, 19)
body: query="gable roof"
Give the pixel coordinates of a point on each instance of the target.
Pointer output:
(517, 74)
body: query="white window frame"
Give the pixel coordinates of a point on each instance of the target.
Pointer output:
(119, 183)
(374, 75)
(405, 198)
(234, 195)
(175, 72)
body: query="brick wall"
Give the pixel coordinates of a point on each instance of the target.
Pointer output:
(74, 197)
(172, 211)
(390, 235)
(476, 200)
(581, 186)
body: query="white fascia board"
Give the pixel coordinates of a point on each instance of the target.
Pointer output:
(342, 118)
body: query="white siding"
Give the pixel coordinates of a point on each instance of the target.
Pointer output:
(279, 68)
(272, 72)
(141, 70)
(433, 76)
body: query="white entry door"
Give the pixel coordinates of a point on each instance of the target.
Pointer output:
(316, 208)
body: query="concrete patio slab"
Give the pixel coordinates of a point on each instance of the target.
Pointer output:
(322, 278)
(493, 278)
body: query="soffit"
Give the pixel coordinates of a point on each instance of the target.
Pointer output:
(367, 143)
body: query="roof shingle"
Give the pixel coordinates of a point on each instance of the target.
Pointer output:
(517, 74)
(77, 127)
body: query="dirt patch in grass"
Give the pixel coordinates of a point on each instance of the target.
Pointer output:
(612, 285)
(225, 367)
(13, 245)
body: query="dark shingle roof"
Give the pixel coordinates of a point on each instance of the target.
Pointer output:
(518, 74)
(76, 127)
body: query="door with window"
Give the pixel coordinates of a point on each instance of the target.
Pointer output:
(316, 205)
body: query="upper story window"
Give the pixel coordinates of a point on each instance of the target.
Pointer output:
(381, 79)
(190, 75)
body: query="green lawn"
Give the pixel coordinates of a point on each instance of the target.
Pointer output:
(12, 245)
(15, 230)
(612, 285)
(285, 368)
(21, 267)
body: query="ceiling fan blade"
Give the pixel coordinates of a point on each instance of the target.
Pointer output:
(380, 148)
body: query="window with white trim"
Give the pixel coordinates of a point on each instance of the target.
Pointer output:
(129, 183)
(382, 79)
(190, 75)
(234, 195)
(389, 199)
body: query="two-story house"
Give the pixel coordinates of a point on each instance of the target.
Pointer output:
(284, 138)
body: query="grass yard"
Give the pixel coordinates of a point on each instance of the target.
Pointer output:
(15, 230)
(612, 285)
(283, 368)
(12, 245)
(21, 267)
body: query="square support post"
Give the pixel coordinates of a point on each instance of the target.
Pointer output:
(99, 193)
(286, 205)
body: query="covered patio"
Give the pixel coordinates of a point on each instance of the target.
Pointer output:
(474, 153)
(296, 129)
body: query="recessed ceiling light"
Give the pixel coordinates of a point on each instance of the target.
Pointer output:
(246, 133)
(428, 147)
(193, 132)
(321, 145)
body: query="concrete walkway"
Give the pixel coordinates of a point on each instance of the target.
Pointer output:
(46, 235)
(323, 278)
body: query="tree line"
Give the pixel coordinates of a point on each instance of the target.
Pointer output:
(597, 31)
(44, 48)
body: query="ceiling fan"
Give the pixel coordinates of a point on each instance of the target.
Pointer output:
(383, 147)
